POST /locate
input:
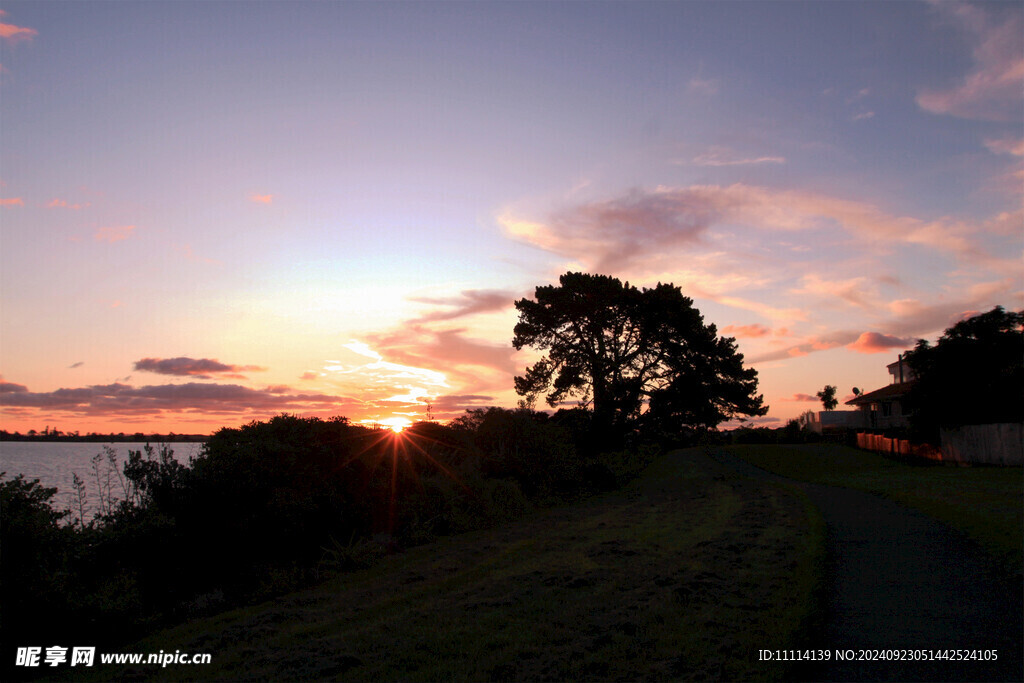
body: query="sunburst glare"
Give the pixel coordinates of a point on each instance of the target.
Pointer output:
(396, 424)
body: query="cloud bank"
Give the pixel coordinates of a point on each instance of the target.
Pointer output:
(200, 368)
(121, 399)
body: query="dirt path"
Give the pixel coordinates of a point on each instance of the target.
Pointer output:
(897, 579)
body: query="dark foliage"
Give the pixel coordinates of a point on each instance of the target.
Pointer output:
(974, 374)
(34, 567)
(269, 507)
(640, 359)
(828, 397)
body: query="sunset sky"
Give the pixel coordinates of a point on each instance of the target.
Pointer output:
(216, 212)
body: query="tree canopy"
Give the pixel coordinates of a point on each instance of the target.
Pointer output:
(974, 374)
(828, 397)
(636, 357)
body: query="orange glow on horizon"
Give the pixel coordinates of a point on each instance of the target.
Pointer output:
(396, 424)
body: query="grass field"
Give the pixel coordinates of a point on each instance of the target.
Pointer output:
(684, 575)
(986, 503)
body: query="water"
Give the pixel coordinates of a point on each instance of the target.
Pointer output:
(54, 463)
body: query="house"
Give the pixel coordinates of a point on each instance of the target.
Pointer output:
(886, 408)
(831, 420)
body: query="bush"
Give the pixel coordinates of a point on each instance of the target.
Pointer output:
(273, 505)
(522, 445)
(35, 575)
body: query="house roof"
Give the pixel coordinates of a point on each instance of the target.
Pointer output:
(887, 393)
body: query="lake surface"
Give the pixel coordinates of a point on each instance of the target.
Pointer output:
(54, 463)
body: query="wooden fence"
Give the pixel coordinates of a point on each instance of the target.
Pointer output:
(992, 444)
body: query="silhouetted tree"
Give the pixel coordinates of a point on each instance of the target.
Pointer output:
(828, 397)
(974, 374)
(637, 357)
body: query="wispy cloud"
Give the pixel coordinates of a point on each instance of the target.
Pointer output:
(192, 256)
(746, 331)
(907, 321)
(1012, 146)
(376, 380)
(856, 291)
(64, 204)
(647, 228)
(703, 86)
(811, 345)
(721, 156)
(12, 201)
(992, 90)
(114, 233)
(200, 368)
(469, 302)
(261, 198)
(13, 33)
(422, 347)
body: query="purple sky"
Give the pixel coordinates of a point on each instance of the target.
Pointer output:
(214, 212)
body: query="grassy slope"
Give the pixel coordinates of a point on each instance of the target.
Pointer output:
(983, 502)
(684, 575)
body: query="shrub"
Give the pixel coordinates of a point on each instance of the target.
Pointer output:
(270, 506)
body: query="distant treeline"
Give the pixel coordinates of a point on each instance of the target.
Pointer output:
(92, 437)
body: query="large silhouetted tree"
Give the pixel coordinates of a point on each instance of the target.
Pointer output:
(973, 375)
(637, 357)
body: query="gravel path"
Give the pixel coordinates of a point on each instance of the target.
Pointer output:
(897, 579)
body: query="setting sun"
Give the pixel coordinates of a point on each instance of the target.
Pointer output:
(396, 424)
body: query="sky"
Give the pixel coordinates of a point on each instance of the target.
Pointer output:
(212, 213)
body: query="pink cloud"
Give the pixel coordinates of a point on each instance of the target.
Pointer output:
(63, 204)
(200, 368)
(914, 319)
(16, 33)
(811, 345)
(864, 342)
(309, 376)
(855, 291)
(261, 198)
(662, 232)
(803, 398)
(114, 233)
(12, 201)
(470, 302)
(873, 342)
(991, 91)
(646, 226)
(611, 235)
(1012, 146)
(418, 346)
(747, 331)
